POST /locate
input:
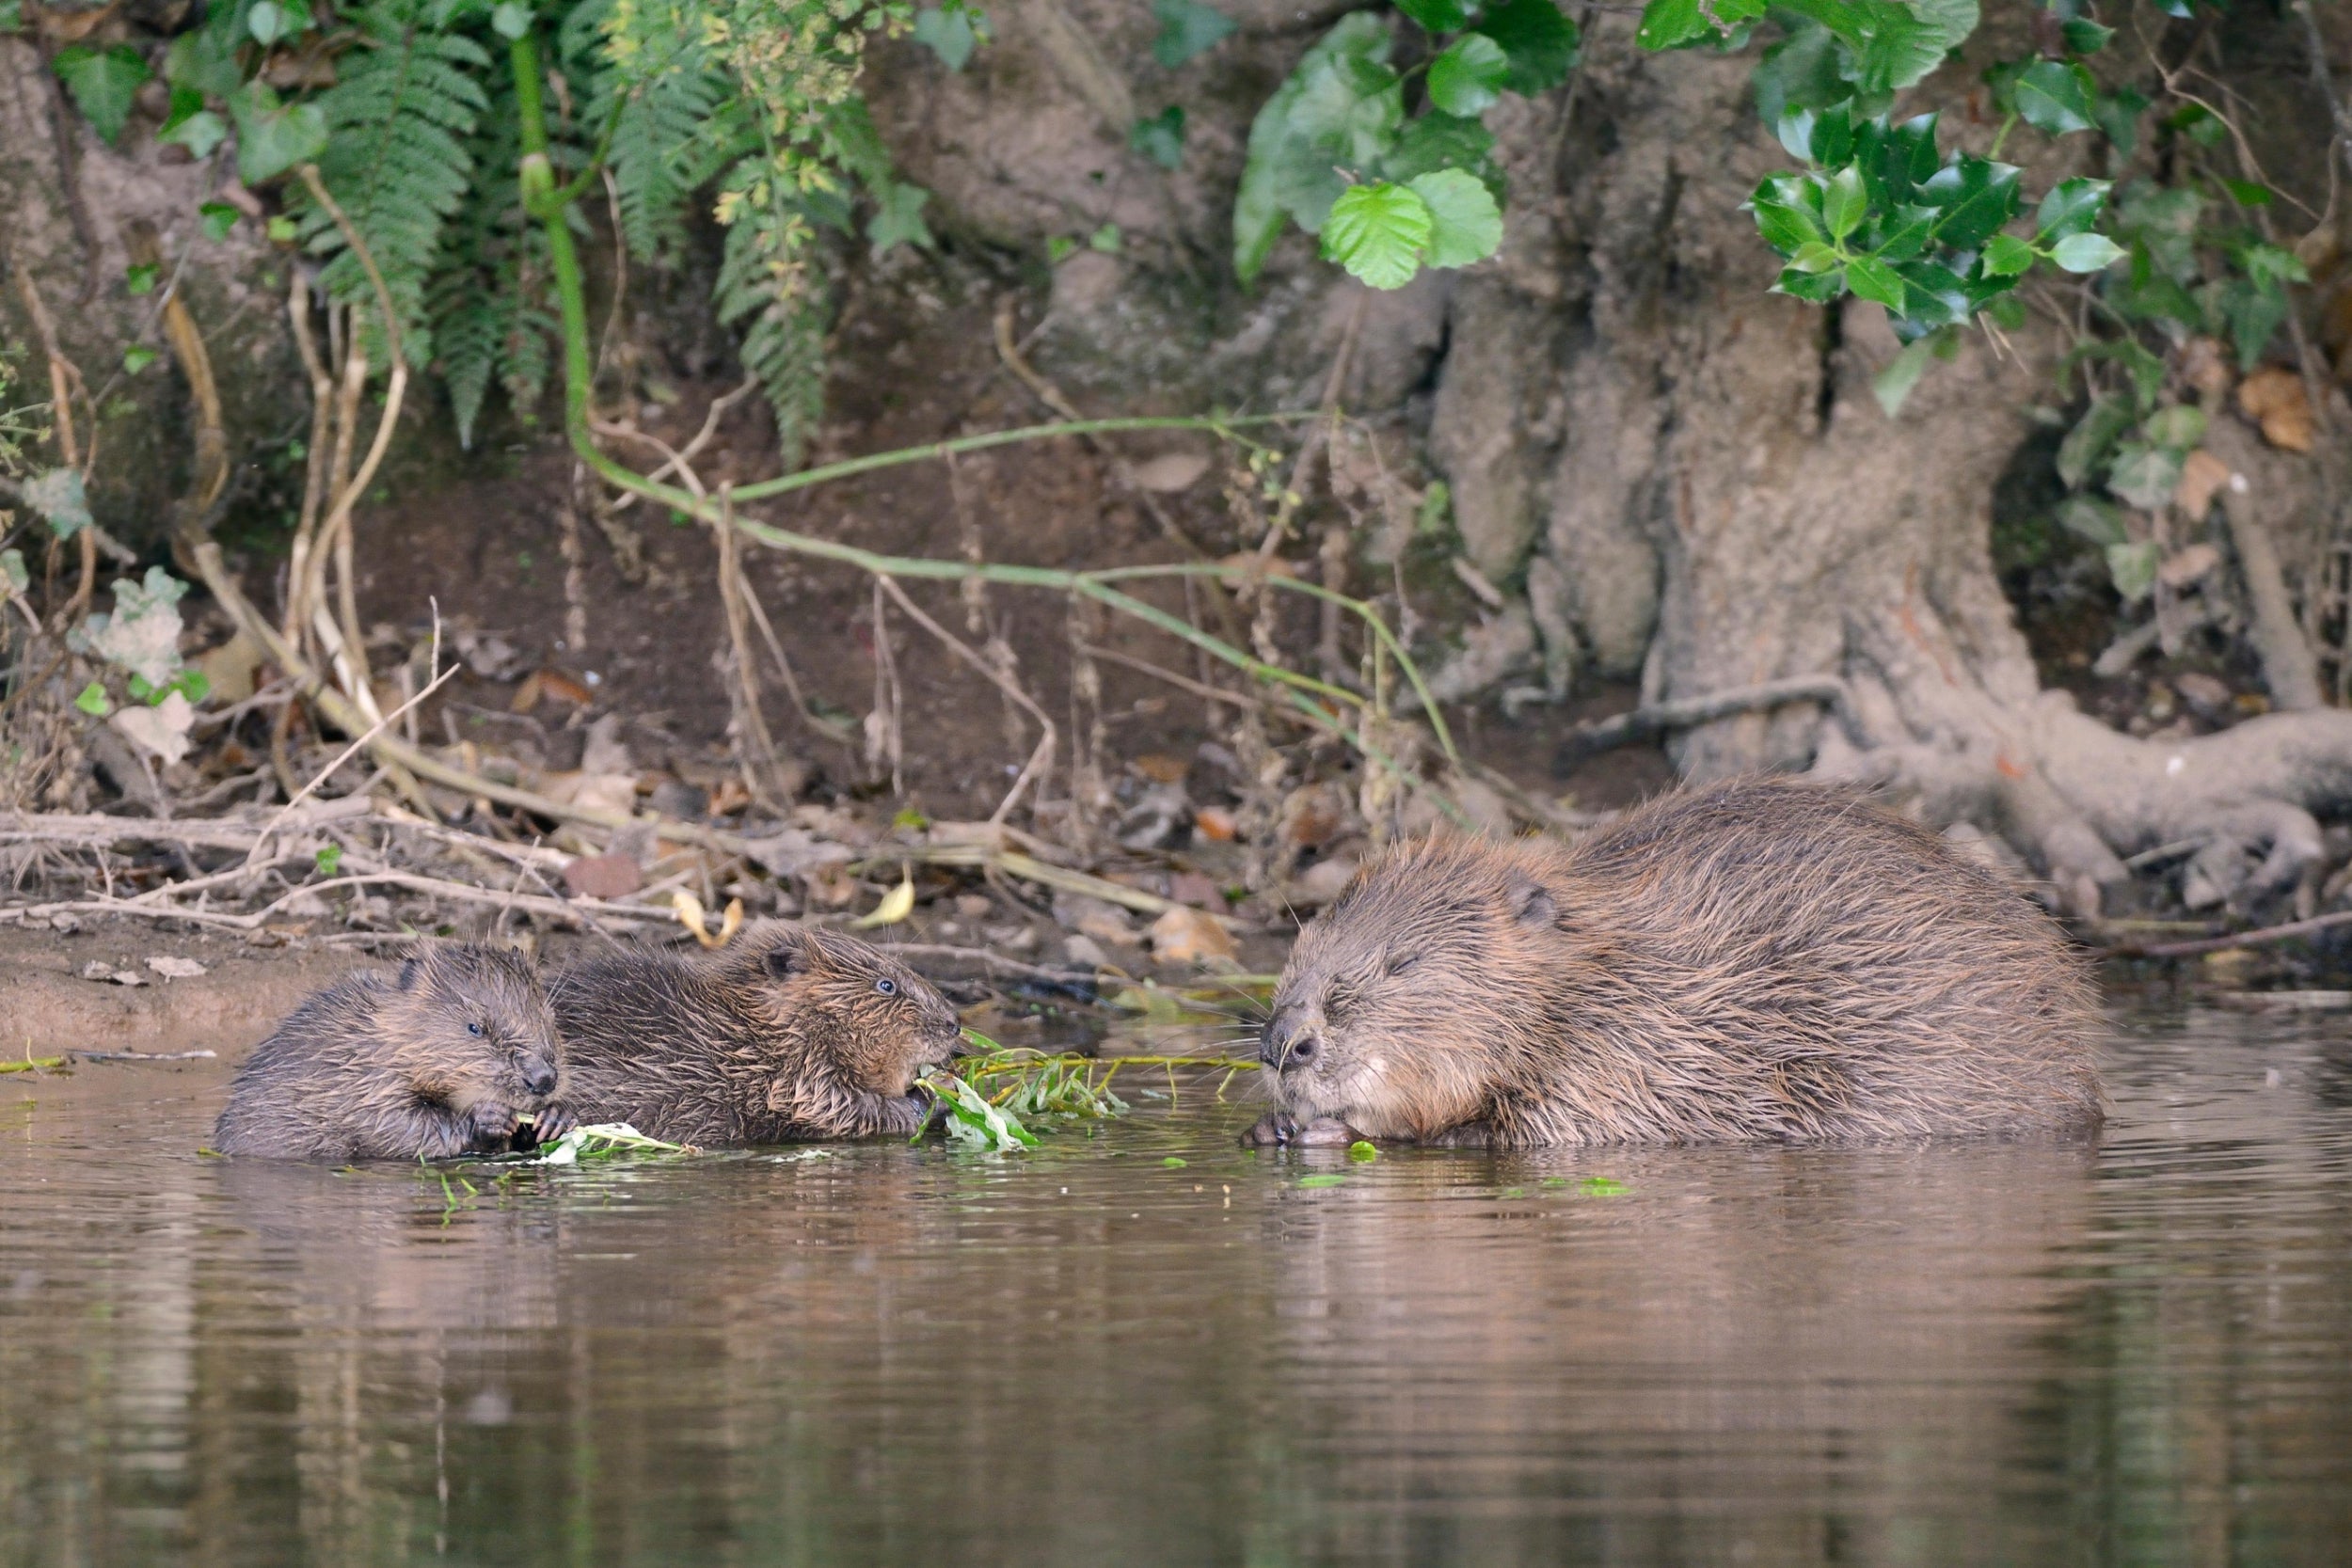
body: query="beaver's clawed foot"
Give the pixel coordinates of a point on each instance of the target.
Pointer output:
(547, 1123)
(1280, 1130)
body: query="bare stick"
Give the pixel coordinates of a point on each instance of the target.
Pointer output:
(2262, 937)
(1042, 758)
(1642, 722)
(677, 460)
(758, 746)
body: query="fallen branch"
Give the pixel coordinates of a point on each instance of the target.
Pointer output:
(144, 1055)
(1645, 723)
(2265, 937)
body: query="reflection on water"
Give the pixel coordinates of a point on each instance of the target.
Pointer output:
(1096, 1355)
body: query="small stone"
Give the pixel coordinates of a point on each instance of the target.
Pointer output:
(1083, 952)
(974, 906)
(173, 968)
(1188, 936)
(66, 925)
(1011, 938)
(98, 968)
(603, 877)
(1092, 917)
(1168, 473)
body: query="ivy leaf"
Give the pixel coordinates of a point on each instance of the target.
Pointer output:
(1674, 23)
(1844, 202)
(2054, 97)
(899, 217)
(141, 278)
(1875, 282)
(102, 83)
(2086, 253)
(1467, 80)
(2133, 569)
(2144, 475)
(220, 218)
(1437, 16)
(93, 701)
(138, 357)
(1540, 42)
(1160, 139)
(59, 498)
(2090, 519)
(2071, 208)
(1377, 232)
(946, 32)
(2178, 428)
(1187, 28)
(273, 138)
(1465, 223)
(2007, 256)
(200, 133)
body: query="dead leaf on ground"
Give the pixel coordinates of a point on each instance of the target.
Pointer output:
(1169, 472)
(690, 914)
(1215, 824)
(896, 906)
(1160, 768)
(2201, 478)
(606, 876)
(2273, 397)
(1187, 935)
(2187, 567)
(98, 968)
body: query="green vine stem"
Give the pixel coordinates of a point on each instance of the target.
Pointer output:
(545, 203)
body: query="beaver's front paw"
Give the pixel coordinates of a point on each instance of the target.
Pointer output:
(1273, 1130)
(547, 1123)
(490, 1127)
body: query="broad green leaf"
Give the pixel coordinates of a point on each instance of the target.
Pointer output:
(1797, 75)
(1464, 224)
(1892, 386)
(102, 83)
(1954, 19)
(2254, 312)
(1875, 282)
(899, 217)
(1974, 199)
(201, 134)
(1187, 28)
(273, 138)
(2118, 114)
(1468, 78)
(1819, 288)
(1932, 297)
(1673, 23)
(511, 20)
(2132, 567)
(2144, 476)
(1540, 42)
(1377, 232)
(267, 22)
(1786, 221)
(57, 495)
(93, 701)
(1813, 255)
(1844, 202)
(2005, 256)
(1320, 115)
(1362, 1152)
(2087, 443)
(138, 357)
(1331, 1178)
(2267, 265)
(142, 279)
(947, 31)
(1160, 139)
(13, 569)
(1433, 142)
(2180, 427)
(204, 60)
(2086, 253)
(2055, 97)
(1899, 47)
(1107, 239)
(2084, 36)
(1437, 16)
(220, 218)
(2071, 208)
(2094, 519)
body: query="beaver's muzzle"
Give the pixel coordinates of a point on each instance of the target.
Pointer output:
(1290, 1039)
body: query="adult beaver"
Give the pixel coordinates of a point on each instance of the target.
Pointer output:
(445, 1056)
(1756, 961)
(787, 1034)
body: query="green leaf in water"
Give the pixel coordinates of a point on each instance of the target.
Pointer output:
(1361, 1151)
(1603, 1186)
(1174, 1164)
(1331, 1178)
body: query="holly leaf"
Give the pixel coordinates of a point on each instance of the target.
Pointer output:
(1899, 47)
(273, 138)
(1782, 216)
(2071, 208)
(1377, 231)
(2086, 253)
(1844, 202)
(1974, 198)
(1892, 386)
(1437, 16)
(1187, 28)
(1465, 223)
(2007, 256)
(1875, 282)
(1540, 42)
(1467, 80)
(102, 83)
(2084, 36)
(1817, 288)
(2054, 97)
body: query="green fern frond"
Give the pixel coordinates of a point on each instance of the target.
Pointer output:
(404, 105)
(783, 336)
(679, 126)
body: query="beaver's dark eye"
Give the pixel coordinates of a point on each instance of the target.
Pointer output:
(888, 986)
(1399, 962)
(474, 1029)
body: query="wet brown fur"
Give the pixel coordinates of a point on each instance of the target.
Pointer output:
(1754, 960)
(784, 1035)
(387, 1067)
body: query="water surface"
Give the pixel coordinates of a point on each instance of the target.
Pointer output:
(1097, 1355)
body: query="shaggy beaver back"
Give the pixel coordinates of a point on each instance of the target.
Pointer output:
(790, 1032)
(442, 1058)
(1749, 961)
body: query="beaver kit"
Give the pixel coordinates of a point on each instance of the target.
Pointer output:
(1751, 961)
(448, 1055)
(787, 1034)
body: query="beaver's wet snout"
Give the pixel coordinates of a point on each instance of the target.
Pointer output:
(1292, 1038)
(538, 1072)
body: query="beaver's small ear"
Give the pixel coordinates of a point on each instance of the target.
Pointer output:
(1529, 901)
(410, 970)
(787, 957)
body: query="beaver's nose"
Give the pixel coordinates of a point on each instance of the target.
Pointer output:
(538, 1074)
(1287, 1041)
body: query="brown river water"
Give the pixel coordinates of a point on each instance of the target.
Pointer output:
(1092, 1354)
